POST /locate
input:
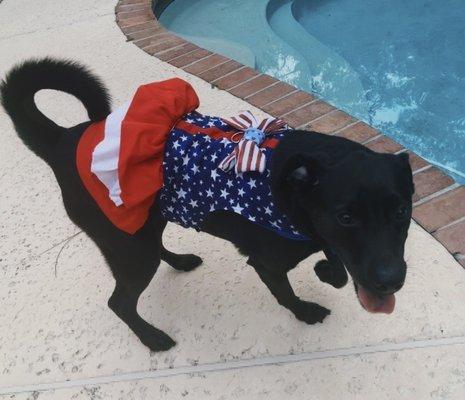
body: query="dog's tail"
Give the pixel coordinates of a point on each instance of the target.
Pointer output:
(20, 85)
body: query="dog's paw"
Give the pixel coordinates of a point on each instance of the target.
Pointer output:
(157, 340)
(311, 313)
(326, 272)
(185, 262)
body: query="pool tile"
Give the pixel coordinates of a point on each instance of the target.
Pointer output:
(205, 64)
(453, 237)
(236, 78)
(270, 94)
(384, 145)
(359, 132)
(156, 38)
(143, 11)
(145, 33)
(430, 181)
(170, 55)
(254, 85)
(307, 113)
(127, 22)
(416, 162)
(441, 210)
(220, 71)
(190, 58)
(162, 45)
(331, 122)
(140, 26)
(288, 103)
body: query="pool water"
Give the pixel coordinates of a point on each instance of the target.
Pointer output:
(397, 65)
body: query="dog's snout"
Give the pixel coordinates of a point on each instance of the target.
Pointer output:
(388, 280)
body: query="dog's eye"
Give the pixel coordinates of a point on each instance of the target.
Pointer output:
(346, 219)
(402, 213)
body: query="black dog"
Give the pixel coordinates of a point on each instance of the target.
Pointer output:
(353, 203)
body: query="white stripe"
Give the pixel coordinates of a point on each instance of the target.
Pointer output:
(245, 156)
(105, 157)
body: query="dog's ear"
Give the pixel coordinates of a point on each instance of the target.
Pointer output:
(303, 171)
(403, 159)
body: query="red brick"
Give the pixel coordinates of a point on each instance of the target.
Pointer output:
(154, 39)
(430, 181)
(190, 58)
(254, 85)
(128, 2)
(331, 122)
(127, 30)
(288, 103)
(359, 132)
(143, 11)
(127, 22)
(453, 237)
(416, 162)
(384, 145)
(153, 30)
(235, 78)
(131, 7)
(205, 64)
(220, 70)
(270, 94)
(441, 210)
(176, 52)
(163, 45)
(307, 113)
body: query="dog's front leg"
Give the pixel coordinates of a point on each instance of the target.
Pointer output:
(280, 287)
(332, 270)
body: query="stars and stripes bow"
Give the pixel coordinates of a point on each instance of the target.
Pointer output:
(247, 155)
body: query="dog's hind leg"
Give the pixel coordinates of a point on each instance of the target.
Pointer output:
(180, 262)
(134, 261)
(332, 270)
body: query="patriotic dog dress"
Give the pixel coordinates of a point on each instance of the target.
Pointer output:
(158, 146)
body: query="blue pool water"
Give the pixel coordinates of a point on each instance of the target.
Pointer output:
(398, 65)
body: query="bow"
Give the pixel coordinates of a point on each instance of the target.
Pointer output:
(247, 155)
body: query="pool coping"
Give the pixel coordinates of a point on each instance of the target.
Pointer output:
(439, 202)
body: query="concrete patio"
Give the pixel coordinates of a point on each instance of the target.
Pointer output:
(58, 339)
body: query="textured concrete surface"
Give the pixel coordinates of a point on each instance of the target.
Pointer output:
(58, 340)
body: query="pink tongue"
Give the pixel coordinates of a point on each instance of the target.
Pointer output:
(376, 304)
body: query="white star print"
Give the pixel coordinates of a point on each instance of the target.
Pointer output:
(176, 144)
(225, 141)
(252, 219)
(214, 157)
(195, 169)
(170, 209)
(181, 194)
(183, 138)
(209, 193)
(275, 224)
(189, 121)
(195, 144)
(186, 177)
(207, 138)
(224, 193)
(185, 159)
(212, 208)
(229, 183)
(241, 192)
(193, 203)
(214, 174)
(238, 209)
(267, 210)
(251, 183)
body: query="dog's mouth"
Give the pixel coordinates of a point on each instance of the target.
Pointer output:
(375, 303)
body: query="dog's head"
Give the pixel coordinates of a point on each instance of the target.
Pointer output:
(360, 207)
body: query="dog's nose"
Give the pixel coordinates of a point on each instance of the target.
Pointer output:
(388, 280)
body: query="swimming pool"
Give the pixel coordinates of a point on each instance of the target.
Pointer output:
(397, 65)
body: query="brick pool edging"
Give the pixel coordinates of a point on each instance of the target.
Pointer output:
(439, 203)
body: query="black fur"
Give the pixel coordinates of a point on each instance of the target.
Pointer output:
(315, 179)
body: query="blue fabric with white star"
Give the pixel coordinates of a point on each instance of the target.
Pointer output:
(194, 186)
